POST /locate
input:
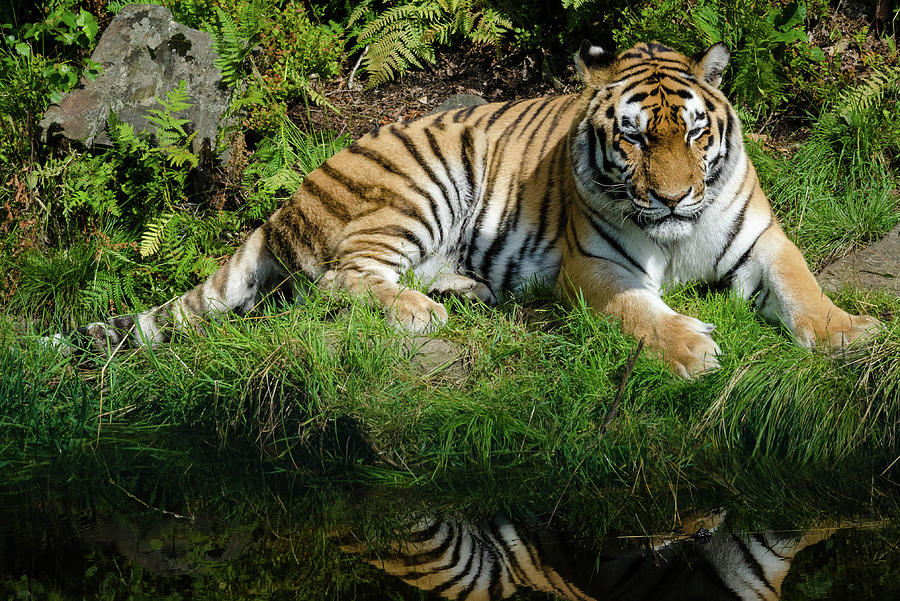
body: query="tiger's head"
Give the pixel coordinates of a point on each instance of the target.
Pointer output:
(655, 137)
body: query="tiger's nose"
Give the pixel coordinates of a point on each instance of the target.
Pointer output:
(671, 200)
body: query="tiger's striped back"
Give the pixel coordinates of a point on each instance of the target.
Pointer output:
(472, 200)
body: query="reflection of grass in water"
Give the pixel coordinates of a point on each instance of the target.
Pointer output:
(542, 379)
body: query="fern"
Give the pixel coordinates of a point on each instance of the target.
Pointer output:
(284, 159)
(879, 84)
(123, 136)
(171, 135)
(152, 236)
(404, 35)
(762, 37)
(105, 295)
(231, 47)
(712, 24)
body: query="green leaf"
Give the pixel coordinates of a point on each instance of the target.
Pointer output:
(69, 19)
(92, 69)
(89, 26)
(797, 19)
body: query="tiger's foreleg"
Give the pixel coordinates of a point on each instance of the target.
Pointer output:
(682, 341)
(777, 276)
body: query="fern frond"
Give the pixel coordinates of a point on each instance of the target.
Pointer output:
(233, 44)
(179, 156)
(440, 33)
(316, 97)
(122, 134)
(879, 84)
(150, 239)
(362, 9)
(253, 19)
(177, 98)
(405, 13)
(171, 135)
(404, 35)
(283, 160)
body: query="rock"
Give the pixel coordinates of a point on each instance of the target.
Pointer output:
(144, 55)
(433, 356)
(458, 101)
(872, 268)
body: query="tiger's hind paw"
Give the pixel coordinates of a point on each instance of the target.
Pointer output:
(463, 286)
(415, 312)
(854, 328)
(838, 331)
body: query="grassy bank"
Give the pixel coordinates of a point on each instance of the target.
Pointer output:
(529, 387)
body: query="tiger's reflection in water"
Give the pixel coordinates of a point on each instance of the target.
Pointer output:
(494, 559)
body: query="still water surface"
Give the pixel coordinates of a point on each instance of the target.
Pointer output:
(105, 542)
(142, 520)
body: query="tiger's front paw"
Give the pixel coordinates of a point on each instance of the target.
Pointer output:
(687, 346)
(415, 312)
(838, 330)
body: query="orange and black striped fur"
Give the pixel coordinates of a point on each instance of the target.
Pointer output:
(639, 180)
(496, 559)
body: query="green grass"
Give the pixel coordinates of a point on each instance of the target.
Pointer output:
(541, 380)
(838, 190)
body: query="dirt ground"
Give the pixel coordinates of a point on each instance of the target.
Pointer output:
(478, 71)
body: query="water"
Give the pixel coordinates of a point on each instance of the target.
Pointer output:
(227, 530)
(170, 517)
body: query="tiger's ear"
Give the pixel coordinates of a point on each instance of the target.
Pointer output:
(709, 65)
(592, 64)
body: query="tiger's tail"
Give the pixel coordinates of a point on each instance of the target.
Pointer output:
(239, 285)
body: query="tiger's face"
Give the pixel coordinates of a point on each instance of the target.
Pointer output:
(657, 121)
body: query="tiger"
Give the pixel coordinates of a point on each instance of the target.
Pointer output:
(497, 558)
(611, 193)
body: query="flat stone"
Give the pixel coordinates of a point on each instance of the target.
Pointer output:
(435, 356)
(458, 101)
(876, 267)
(144, 54)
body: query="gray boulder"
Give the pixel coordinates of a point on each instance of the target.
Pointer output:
(144, 55)
(876, 267)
